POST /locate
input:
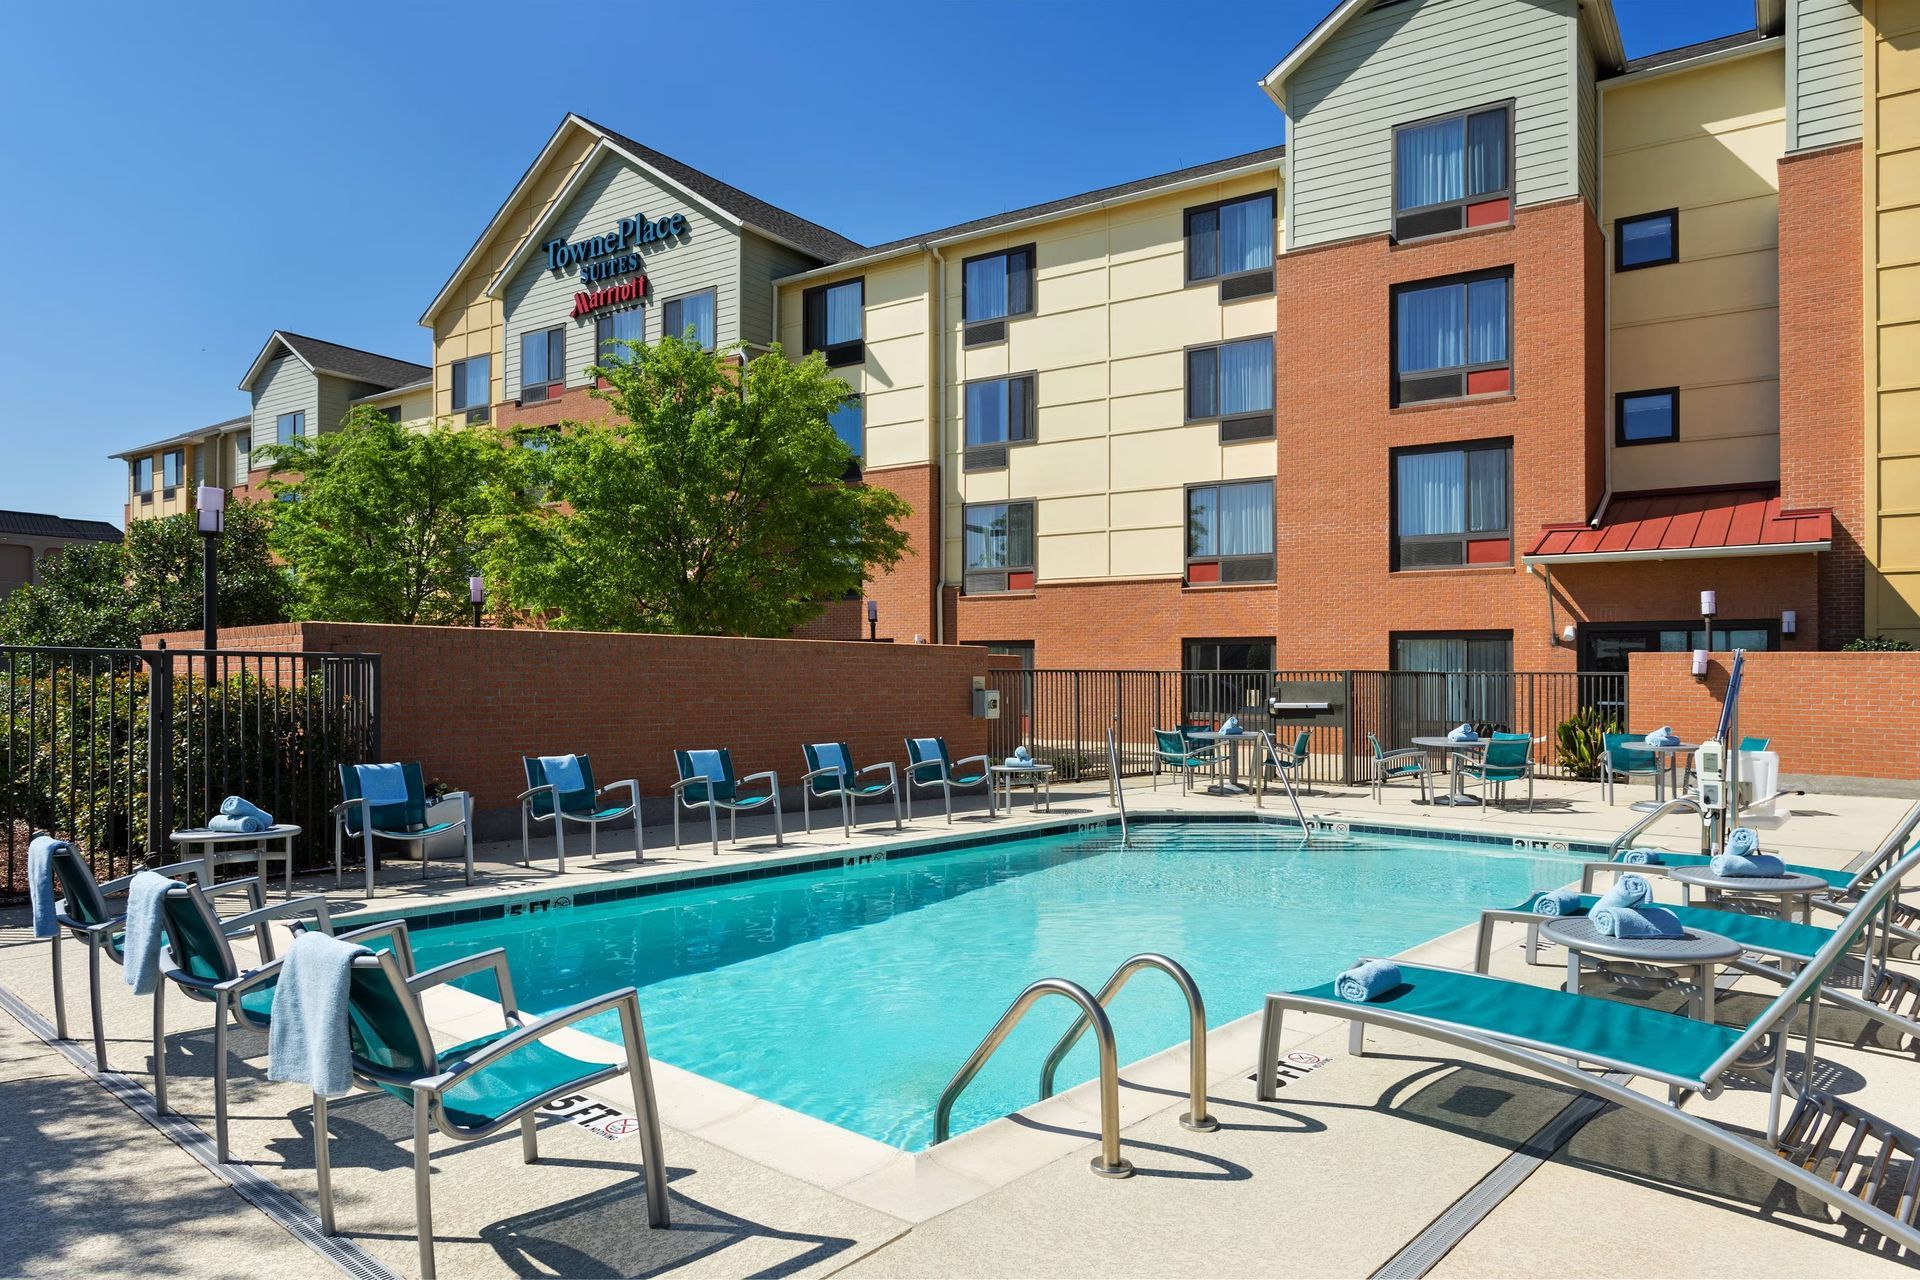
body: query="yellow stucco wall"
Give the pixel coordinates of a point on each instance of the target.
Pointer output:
(1707, 142)
(1891, 222)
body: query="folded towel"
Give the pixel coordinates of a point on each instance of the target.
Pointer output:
(1024, 754)
(382, 783)
(1628, 890)
(1664, 736)
(40, 883)
(241, 807)
(1013, 762)
(145, 925)
(1462, 733)
(1643, 858)
(1744, 841)
(1232, 725)
(1646, 921)
(1561, 902)
(1368, 981)
(307, 1041)
(1736, 865)
(563, 772)
(236, 824)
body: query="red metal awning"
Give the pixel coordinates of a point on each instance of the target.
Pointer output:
(1691, 524)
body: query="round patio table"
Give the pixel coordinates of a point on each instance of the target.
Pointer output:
(1232, 742)
(1697, 951)
(1788, 888)
(1440, 745)
(217, 848)
(1037, 776)
(1666, 758)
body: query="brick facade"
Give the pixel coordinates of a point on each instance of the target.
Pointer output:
(1127, 624)
(907, 593)
(1821, 455)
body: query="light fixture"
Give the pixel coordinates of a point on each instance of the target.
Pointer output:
(1789, 622)
(873, 619)
(1700, 664)
(212, 503)
(1709, 604)
(1567, 634)
(212, 520)
(477, 596)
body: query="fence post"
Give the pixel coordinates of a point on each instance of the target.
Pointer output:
(373, 712)
(159, 750)
(1078, 740)
(1346, 728)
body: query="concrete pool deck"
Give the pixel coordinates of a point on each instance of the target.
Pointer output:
(1355, 1159)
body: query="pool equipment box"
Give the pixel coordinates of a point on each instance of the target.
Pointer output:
(986, 704)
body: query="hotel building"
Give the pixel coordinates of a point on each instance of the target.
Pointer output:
(1511, 350)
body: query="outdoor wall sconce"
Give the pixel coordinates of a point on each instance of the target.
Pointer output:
(1789, 622)
(1709, 604)
(1700, 664)
(1567, 634)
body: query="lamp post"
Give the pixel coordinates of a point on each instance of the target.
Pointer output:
(873, 619)
(477, 596)
(1709, 606)
(212, 503)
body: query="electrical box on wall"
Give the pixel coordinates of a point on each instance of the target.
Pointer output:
(986, 704)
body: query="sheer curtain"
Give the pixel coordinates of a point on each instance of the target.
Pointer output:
(1246, 236)
(1019, 282)
(622, 326)
(1246, 376)
(1432, 493)
(1246, 519)
(1428, 159)
(1487, 491)
(1431, 328)
(1486, 152)
(1487, 321)
(1018, 526)
(844, 313)
(698, 312)
(987, 412)
(479, 380)
(986, 288)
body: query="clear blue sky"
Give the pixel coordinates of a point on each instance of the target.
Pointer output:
(178, 180)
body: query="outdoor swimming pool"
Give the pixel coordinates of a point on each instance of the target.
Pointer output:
(853, 993)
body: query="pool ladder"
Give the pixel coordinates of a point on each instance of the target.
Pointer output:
(1093, 1015)
(1114, 791)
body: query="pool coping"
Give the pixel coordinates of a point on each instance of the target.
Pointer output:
(917, 1185)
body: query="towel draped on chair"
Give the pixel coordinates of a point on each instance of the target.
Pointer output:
(146, 897)
(307, 1042)
(563, 773)
(382, 784)
(40, 883)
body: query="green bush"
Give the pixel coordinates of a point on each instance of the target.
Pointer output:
(1877, 644)
(1578, 742)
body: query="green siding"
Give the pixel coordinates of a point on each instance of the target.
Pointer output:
(761, 263)
(1825, 40)
(284, 386)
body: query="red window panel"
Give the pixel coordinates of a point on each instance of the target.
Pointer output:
(1020, 581)
(1203, 573)
(1489, 213)
(1490, 551)
(1486, 381)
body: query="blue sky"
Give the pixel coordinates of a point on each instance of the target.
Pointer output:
(177, 181)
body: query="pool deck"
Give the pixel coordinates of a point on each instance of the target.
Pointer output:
(1353, 1162)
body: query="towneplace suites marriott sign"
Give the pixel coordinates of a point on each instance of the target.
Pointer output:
(608, 257)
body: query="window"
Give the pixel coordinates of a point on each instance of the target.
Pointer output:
(993, 287)
(1648, 240)
(173, 465)
(1442, 680)
(609, 331)
(473, 387)
(1646, 417)
(849, 422)
(1452, 173)
(835, 321)
(543, 363)
(1230, 532)
(1021, 649)
(999, 413)
(391, 413)
(1233, 381)
(143, 478)
(1452, 338)
(1605, 646)
(998, 543)
(1452, 506)
(692, 311)
(1232, 242)
(289, 427)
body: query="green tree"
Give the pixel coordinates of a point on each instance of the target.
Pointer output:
(715, 504)
(109, 594)
(382, 523)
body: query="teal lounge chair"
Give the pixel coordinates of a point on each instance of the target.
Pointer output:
(544, 802)
(929, 766)
(1173, 750)
(85, 911)
(1392, 766)
(1508, 758)
(405, 821)
(1625, 755)
(1558, 1036)
(831, 775)
(199, 961)
(1293, 763)
(478, 1087)
(707, 782)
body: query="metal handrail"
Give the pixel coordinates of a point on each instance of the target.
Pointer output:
(1109, 1163)
(1113, 778)
(1272, 757)
(1196, 1118)
(1673, 805)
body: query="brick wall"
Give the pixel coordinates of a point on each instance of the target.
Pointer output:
(1123, 624)
(907, 592)
(1821, 455)
(1835, 715)
(467, 703)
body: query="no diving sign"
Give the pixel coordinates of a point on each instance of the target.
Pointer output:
(596, 1117)
(1294, 1065)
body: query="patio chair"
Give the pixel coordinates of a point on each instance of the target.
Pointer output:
(1391, 766)
(707, 782)
(831, 773)
(1508, 758)
(1293, 763)
(1561, 1036)
(404, 820)
(546, 801)
(83, 911)
(478, 1087)
(199, 961)
(929, 766)
(1174, 750)
(1625, 755)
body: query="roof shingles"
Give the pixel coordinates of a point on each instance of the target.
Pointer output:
(381, 371)
(35, 524)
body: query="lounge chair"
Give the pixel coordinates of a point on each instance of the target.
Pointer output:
(83, 910)
(404, 820)
(1508, 758)
(929, 766)
(198, 960)
(480, 1086)
(707, 782)
(1174, 750)
(542, 801)
(1392, 766)
(831, 774)
(1556, 1034)
(1625, 755)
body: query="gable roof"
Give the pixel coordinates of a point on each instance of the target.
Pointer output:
(1702, 49)
(188, 437)
(351, 363)
(34, 524)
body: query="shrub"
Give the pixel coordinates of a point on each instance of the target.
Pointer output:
(1578, 742)
(1877, 644)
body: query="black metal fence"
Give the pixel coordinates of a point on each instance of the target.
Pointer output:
(1062, 715)
(114, 748)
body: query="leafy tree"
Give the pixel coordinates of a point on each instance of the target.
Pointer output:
(714, 504)
(109, 594)
(382, 523)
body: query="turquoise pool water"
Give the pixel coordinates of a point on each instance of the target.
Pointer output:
(852, 994)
